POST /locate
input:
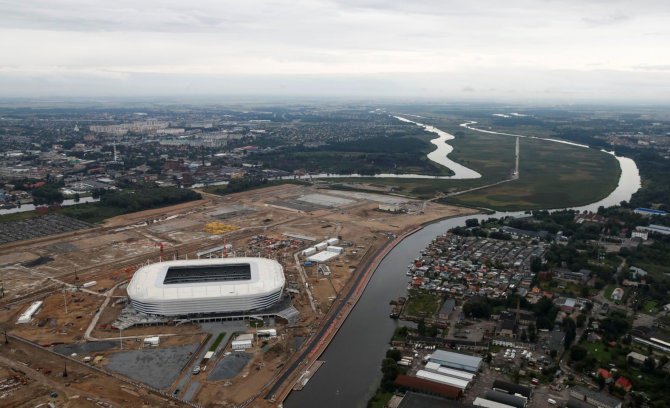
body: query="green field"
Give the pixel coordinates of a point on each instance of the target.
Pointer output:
(649, 307)
(551, 175)
(599, 352)
(421, 304)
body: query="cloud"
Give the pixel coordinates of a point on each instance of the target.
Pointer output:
(124, 41)
(645, 67)
(614, 18)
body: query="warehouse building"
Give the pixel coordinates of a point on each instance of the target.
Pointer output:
(436, 368)
(415, 400)
(511, 388)
(456, 360)
(594, 398)
(443, 379)
(407, 382)
(481, 402)
(27, 316)
(507, 399)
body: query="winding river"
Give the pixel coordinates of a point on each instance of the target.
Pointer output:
(352, 371)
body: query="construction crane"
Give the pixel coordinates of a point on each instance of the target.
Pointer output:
(127, 271)
(159, 244)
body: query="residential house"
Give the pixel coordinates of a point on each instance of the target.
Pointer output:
(623, 383)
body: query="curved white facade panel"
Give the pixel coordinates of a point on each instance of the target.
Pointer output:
(178, 288)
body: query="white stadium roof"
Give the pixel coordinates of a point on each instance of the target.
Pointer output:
(176, 288)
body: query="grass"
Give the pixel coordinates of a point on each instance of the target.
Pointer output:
(552, 175)
(569, 288)
(380, 399)
(421, 304)
(597, 351)
(19, 216)
(548, 180)
(89, 212)
(649, 306)
(217, 341)
(256, 323)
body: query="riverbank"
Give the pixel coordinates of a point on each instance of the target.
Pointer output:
(285, 384)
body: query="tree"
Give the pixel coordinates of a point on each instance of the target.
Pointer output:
(577, 352)
(570, 329)
(48, 194)
(536, 264)
(390, 372)
(471, 222)
(421, 328)
(532, 333)
(649, 364)
(524, 335)
(395, 354)
(585, 291)
(581, 319)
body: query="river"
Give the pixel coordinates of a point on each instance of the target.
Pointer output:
(352, 371)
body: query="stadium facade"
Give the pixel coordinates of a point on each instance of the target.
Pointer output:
(207, 286)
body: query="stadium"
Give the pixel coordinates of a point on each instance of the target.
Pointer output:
(208, 286)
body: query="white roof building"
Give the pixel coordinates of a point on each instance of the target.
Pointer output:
(32, 310)
(323, 257)
(443, 379)
(456, 360)
(206, 286)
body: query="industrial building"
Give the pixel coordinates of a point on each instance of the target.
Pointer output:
(507, 399)
(207, 286)
(436, 368)
(443, 379)
(32, 310)
(482, 402)
(593, 398)
(456, 360)
(428, 387)
(152, 341)
(415, 400)
(242, 342)
(511, 388)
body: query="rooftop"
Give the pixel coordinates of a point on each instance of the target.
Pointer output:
(513, 388)
(595, 395)
(455, 358)
(415, 400)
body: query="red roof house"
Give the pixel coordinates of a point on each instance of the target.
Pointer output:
(623, 383)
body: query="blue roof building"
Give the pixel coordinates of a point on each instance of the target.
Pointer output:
(456, 360)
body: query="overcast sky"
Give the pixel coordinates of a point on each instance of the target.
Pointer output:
(484, 49)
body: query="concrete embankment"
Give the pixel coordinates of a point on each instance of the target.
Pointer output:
(330, 328)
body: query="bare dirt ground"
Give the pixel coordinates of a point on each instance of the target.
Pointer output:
(83, 387)
(130, 240)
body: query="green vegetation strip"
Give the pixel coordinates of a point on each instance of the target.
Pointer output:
(218, 341)
(421, 304)
(113, 203)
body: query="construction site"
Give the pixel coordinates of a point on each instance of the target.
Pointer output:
(68, 291)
